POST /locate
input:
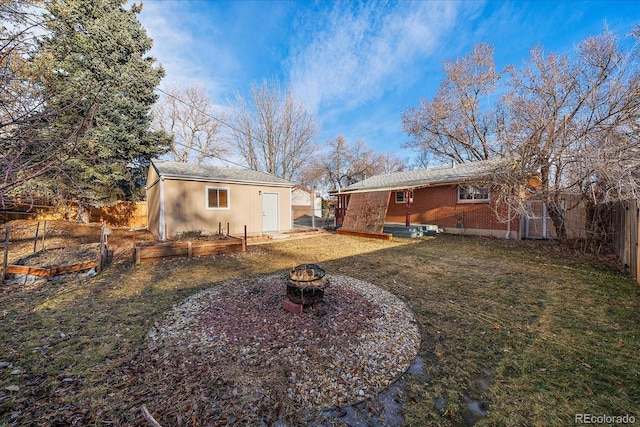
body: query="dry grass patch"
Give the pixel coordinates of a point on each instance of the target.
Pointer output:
(533, 335)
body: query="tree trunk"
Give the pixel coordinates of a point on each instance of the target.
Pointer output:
(84, 212)
(557, 215)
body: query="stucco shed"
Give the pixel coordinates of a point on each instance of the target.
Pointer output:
(187, 197)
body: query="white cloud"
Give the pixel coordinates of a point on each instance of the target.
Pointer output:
(184, 55)
(356, 53)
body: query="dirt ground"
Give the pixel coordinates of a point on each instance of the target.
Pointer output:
(67, 241)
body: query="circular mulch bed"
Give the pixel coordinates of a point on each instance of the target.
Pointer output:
(343, 350)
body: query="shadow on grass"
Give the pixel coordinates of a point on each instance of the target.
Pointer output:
(507, 333)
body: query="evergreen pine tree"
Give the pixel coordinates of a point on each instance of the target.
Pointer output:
(102, 83)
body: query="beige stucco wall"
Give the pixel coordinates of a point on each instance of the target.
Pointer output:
(185, 208)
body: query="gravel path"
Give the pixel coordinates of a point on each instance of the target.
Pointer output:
(347, 349)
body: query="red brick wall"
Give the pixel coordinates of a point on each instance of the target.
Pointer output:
(440, 206)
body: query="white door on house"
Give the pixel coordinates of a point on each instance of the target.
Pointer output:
(269, 212)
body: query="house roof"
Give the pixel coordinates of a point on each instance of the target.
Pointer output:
(301, 188)
(448, 174)
(205, 173)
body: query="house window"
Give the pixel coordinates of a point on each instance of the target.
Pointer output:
(400, 197)
(217, 198)
(473, 193)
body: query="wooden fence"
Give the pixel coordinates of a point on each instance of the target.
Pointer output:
(42, 209)
(627, 235)
(121, 214)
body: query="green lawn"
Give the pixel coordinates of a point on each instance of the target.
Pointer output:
(535, 333)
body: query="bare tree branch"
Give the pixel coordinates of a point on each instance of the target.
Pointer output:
(187, 115)
(273, 132)
(344, 164)
(453, 124)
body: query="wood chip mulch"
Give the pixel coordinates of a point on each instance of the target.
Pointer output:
(233, 355)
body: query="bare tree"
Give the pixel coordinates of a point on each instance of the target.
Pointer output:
(273, 132)
(345, 164)
(454, 125)
(29, 150)
(187, 115)
(610, 149)
(571, 119)
(568, 124)
(388, 163)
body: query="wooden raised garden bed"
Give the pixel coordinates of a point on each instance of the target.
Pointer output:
(50, 263)
(371, 235)
(56, 262)
(188, 249)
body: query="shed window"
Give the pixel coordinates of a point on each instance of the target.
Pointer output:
(217, 198)
(473, 193)
(400, 197)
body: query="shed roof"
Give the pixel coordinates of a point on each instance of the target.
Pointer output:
(448, 174)
(205, 173)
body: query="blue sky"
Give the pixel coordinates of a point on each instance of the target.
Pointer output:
(358, 66)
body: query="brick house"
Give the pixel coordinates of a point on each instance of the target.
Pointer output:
(451, 197)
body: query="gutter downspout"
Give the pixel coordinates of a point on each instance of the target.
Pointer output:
(313, 209)
(291, 227)
(508, 235)
(407, 204)
(161, 227)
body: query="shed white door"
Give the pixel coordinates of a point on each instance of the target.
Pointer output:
(270, 212)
